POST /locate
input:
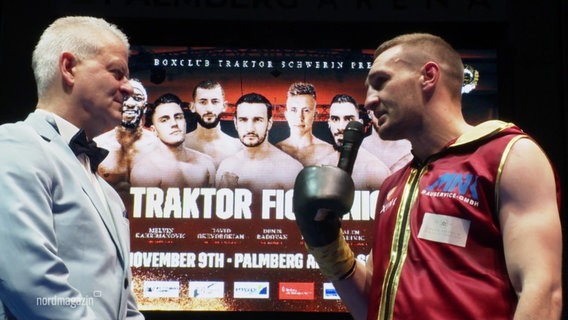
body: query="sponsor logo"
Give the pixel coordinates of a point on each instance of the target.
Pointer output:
(389, 201)
(461, 186)
(296, 291)
(329, 292)
(464, 184)
(161, 289)
(206, 289)
(251, 290)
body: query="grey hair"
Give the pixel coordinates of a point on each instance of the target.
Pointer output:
(77, 35)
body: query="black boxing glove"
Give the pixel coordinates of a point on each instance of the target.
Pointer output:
(317, 189)
(322, 194)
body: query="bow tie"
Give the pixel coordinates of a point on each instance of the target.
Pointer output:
(79, 145)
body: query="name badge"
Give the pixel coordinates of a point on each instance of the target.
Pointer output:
(444, 229)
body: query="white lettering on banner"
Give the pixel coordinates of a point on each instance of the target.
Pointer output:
(211, 260)
(218, 260)
(311, 262)
(224, 204)
(279, 201)
(361, 65)
(299, 64)
(162, 259)
(364, 205)
(188, 63)
(261, 64)
(177, 260)
(177, 62)
(269, 260)
(183, 203)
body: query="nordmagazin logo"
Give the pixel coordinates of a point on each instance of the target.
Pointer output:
(251, 290)
(161, 289)
(206, 289)
(296, 291)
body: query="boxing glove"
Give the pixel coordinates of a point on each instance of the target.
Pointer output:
(321, 189)
(322, 194)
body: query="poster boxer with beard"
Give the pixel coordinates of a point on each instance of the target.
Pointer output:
(260, 165)
(208, 105)
(369, 172)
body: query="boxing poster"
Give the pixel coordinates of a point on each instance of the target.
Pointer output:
(206, 158)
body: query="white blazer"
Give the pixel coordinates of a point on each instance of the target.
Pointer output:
(64, 254)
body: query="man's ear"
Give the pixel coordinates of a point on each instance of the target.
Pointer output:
(430, 75)
(67, 63)
(191, 106)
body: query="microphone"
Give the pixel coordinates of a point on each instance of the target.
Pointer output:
(352, 138)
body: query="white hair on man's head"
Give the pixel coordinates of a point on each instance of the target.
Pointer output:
(78, 35)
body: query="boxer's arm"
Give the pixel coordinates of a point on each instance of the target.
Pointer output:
(532, 239)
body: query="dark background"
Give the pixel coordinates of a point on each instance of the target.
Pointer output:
(531, 40)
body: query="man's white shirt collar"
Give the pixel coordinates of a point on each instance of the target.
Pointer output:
(66, 129)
